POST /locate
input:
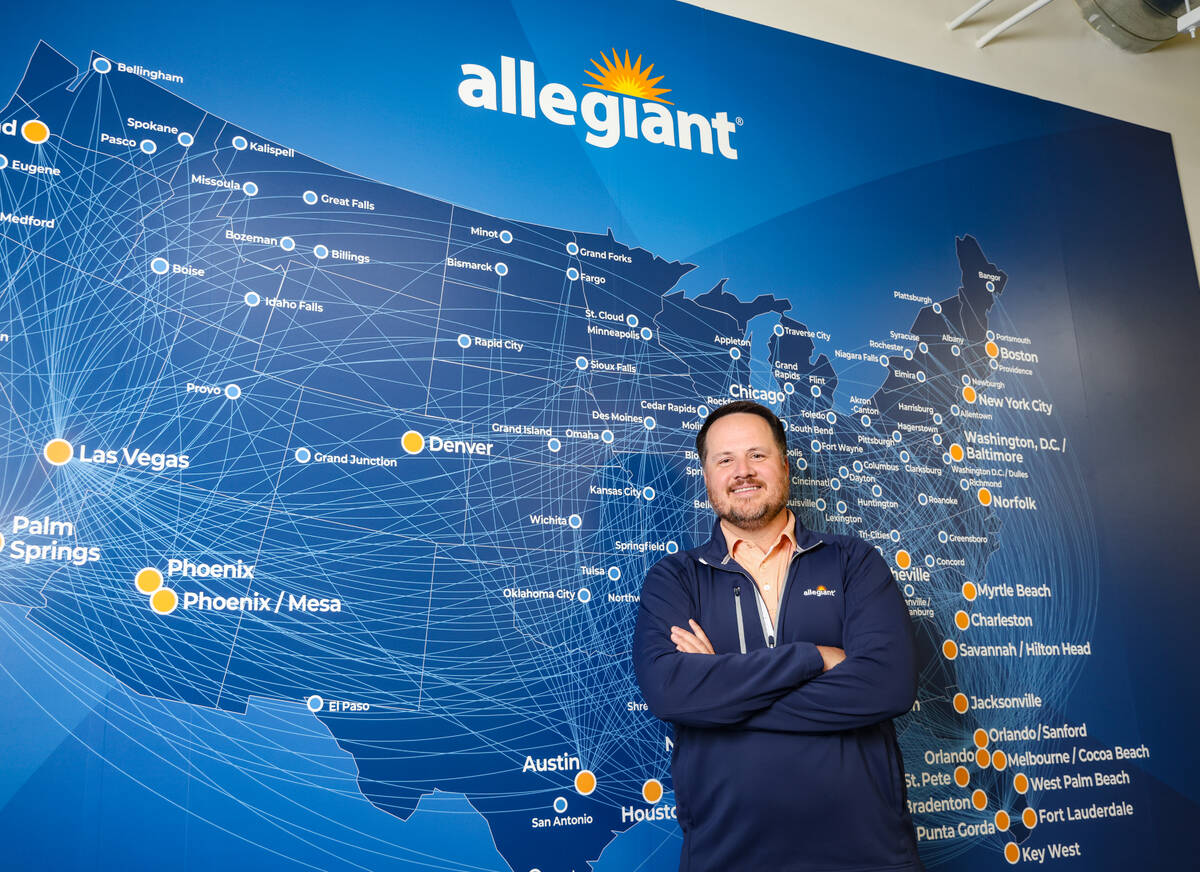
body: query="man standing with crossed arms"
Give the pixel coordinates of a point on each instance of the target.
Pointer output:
(780, 656)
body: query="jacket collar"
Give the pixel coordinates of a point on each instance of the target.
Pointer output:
(715, 550)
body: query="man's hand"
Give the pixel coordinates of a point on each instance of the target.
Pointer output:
(694, 642)
(832, 656)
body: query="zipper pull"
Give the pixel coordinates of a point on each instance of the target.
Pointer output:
(737, 592)
(770, 641)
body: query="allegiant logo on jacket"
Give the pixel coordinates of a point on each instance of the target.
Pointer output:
(821, 590)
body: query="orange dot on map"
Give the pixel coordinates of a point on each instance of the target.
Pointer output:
(961, 776)
(949, 649)
(981, 738)
(1011, 852)
(1020, 783)
(903, 559)
(412, 442)
(962, 620)
(985, 496)
(979, 800)
(956, 452)
(35, 131)
(1000, 760)
(164, 601)
(57, 451)
(148, 580)
(982, 758)
(969, 591)
(585, 782)
(992, 349)
(1029, 818)
(652, 790)
(960, 703)
(968, 393)
(1002, 820)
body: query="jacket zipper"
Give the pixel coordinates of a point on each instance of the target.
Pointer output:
(737, 601)
(737, 597)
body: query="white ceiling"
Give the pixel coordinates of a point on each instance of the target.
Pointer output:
(1054, 55)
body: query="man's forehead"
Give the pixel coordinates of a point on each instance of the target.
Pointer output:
(739, 429)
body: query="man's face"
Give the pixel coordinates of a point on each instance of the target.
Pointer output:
(745, 472)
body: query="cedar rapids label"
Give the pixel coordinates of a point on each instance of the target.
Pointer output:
(608, 117)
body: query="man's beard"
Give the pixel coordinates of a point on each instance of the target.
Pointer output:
(754, 516)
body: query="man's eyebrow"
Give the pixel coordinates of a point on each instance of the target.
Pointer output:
(729, 451)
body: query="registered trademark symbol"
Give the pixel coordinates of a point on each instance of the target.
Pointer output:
(739, 121)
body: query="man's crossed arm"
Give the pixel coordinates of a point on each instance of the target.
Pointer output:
(794, 687)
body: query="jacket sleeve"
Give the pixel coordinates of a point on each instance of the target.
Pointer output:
(703, 690)
(877, 680)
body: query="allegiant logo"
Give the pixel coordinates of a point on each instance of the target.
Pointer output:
(638, 113)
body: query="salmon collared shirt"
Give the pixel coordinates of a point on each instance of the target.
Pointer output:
(768, 568)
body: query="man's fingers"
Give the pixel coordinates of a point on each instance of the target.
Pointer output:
(688, 643)
(831, 656)
(699, 631)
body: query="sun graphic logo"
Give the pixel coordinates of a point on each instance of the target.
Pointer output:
(625, 102)
(625, 78)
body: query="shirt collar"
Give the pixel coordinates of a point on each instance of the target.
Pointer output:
(732, 539)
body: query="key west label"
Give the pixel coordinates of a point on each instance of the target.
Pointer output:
(639, 113)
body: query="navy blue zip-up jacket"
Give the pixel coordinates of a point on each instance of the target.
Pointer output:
(779, 766)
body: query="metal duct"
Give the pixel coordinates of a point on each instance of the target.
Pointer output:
(1134, 25)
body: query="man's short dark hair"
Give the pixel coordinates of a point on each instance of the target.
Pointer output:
(748, 407)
